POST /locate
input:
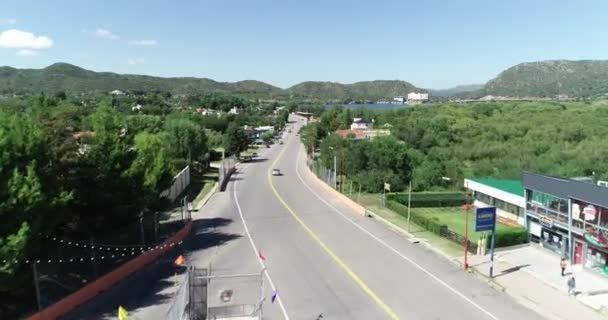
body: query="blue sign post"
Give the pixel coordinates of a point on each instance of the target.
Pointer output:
(485, 220)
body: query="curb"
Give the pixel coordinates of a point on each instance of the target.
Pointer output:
(472, 270)
(204, 201)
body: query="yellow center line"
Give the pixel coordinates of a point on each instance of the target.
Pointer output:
(314, 236)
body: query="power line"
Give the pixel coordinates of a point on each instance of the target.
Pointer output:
(106, 257)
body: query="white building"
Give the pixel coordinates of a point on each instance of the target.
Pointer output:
(234, 110)
(506, 195)
(136, 108)
(117, 93)
(361, 124)
(414, 97)
(399, 99)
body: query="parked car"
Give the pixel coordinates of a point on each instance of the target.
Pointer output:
(276, 172)
(255, 154)
(246, 158)
(280, 141)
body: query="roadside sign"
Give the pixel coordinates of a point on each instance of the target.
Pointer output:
(485, 219)
(387, 186)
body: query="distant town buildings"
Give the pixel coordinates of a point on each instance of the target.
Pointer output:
(136, 108)
(361, 124)
(399, 100)
(234, 110)
(416, 98)
(117, 93)
(361, 129)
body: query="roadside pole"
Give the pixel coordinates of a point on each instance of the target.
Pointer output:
(37, 286)
(466, 227)
(335, 172)
(492, 251)
(409, 204)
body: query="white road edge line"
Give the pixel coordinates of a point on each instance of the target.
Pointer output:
(255, 249)
(443, 283)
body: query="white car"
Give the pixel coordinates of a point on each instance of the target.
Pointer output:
(276, 172)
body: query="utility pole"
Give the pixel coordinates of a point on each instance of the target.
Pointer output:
(37, 286)
(409, 204)
(343, 175)
(335, 171)
(466, 227)
(94, 258)
(141, 229)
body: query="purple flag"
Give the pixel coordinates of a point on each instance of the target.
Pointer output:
(274, 295)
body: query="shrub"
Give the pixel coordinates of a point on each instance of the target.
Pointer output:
(510, 237)
(426, 200)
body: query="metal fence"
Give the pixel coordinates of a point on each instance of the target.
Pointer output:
(180, 305)
(202, 295)
(445, 232)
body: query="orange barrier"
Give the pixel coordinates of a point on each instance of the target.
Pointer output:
(105, 282)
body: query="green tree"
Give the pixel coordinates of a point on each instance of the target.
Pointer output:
(186, 138)
(235, 140)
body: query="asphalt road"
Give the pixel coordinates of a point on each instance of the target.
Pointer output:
(320, 256)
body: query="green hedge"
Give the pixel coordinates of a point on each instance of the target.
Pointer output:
(510, 237)
(504, 237)
(428, 199)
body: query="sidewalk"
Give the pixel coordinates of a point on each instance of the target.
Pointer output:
(592, 289)
(531, 276)
(521, 281)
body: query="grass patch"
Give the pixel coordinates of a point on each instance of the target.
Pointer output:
(444, 245)
(206, 188)
(250, 150)
(454, 218)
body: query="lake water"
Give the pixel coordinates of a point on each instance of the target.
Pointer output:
(372, 106)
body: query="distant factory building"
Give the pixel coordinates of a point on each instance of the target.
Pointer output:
(416, 98)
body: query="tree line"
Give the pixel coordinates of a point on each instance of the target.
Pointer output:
(76, 170)
(433, 142)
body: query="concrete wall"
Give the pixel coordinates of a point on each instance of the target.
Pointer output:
(180, 183)
(105, 282)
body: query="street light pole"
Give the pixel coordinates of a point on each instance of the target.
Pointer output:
(342, 176)
(335, 171)
(409, 204)
(466, 227)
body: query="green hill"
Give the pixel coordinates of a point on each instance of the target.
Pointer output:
(360, 90)
(457, 90)
(583, 78)
(67, 77)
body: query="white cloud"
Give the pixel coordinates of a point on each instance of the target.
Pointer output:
(8, 21)
(136, 61)
(17, 39)
(27, 53)
(105, 34)
(147, 42)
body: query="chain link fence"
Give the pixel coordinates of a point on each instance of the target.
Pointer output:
(203, 295)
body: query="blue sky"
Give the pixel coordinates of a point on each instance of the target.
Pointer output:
(432, 44)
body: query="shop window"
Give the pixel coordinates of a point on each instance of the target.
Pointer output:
(588, 214)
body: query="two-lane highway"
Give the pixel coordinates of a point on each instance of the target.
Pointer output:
(321, 257)
(325, 259)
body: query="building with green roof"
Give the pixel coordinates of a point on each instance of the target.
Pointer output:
(506, 195)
